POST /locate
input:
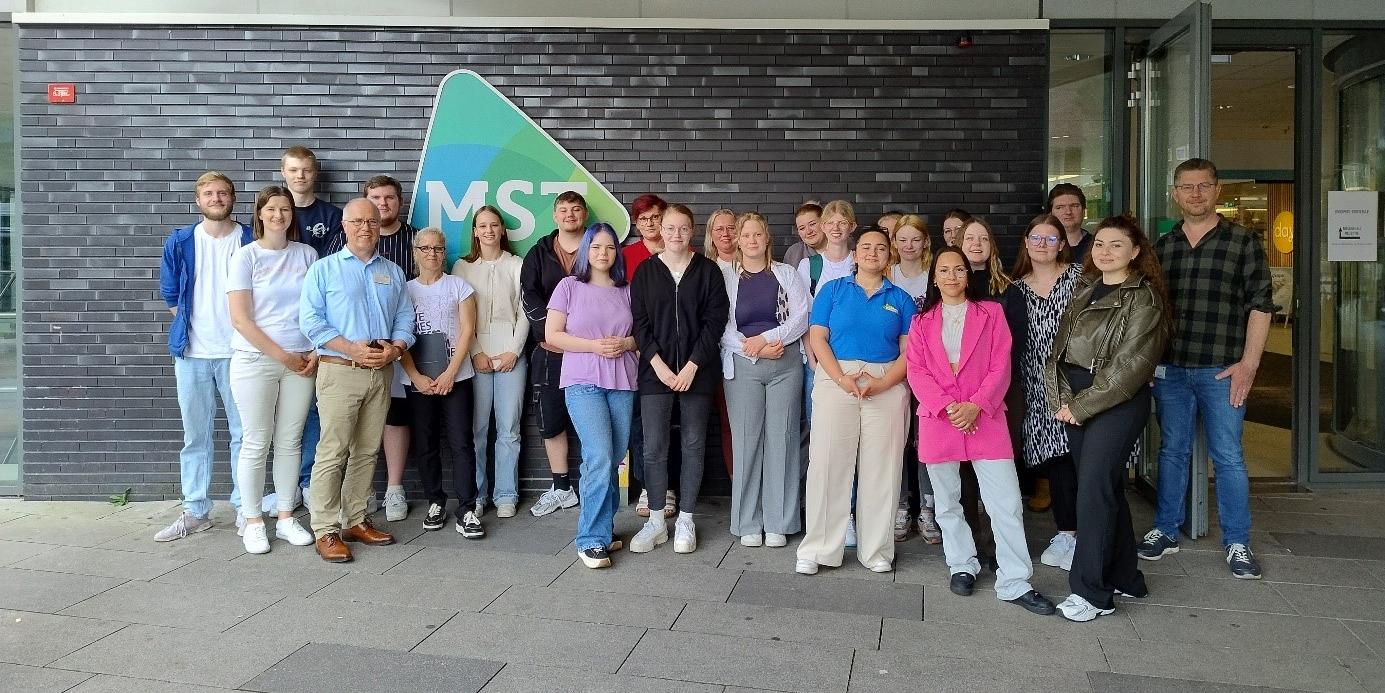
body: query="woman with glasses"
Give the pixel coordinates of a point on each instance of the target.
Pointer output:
(497, 356)
(589, 319)
(678, 300)
(720, 241)
(1047, 278)
(648, 213)
(438, 371)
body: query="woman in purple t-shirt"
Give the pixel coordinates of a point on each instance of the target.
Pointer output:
(589, 319)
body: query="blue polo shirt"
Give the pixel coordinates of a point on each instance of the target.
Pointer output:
(860, 328)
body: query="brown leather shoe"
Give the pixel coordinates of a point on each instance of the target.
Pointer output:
(367, 534)
(331, 548)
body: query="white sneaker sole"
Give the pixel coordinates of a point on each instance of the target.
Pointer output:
(752, 540)
(594, 563)
(1090, 614)
(1165, 552)
(685, 546)
(776, 541)
(805, 567)
(641, 547)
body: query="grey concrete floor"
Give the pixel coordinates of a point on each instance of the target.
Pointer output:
(88, 602)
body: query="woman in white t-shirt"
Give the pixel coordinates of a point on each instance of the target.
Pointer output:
(438, 374)
(273, 367)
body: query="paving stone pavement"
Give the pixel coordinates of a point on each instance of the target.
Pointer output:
(89, 602)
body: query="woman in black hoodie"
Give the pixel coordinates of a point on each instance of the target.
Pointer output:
(680, 309)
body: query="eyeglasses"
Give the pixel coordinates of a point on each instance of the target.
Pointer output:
(840, 224)
(649, 219)
(1037, 240)
(1199, 187)
(677, 229)
(358, 223)
(431, 248)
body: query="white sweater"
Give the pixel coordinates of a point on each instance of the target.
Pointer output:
(500, 322)
(791, 330)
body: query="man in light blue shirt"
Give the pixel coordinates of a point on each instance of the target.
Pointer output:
(356, 311)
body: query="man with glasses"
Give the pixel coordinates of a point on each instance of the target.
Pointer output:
(1068, 203)
(1219, 285)
(545, 265)
(356, 311)
(396, 245)
(192, 281)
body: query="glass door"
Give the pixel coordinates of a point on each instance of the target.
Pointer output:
(1175, 118)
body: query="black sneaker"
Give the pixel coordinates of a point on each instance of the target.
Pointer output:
(962, 584)
(436, 517)
(1242, 562)
(470, 527)
(1034, 603)
(595, 557)
(1156, 545)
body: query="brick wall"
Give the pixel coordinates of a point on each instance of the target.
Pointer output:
(752, 120)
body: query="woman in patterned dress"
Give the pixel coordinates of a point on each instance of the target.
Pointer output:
(1047, 278)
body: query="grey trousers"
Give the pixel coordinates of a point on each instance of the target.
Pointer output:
(656, 412)
(762, 402)
(1000, 491)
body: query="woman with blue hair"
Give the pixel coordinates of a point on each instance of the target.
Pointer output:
(589, 319)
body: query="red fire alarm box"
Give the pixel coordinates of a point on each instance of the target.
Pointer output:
(62, 93)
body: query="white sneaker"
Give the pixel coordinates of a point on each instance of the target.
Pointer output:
(186, 524)
(371, 504)
(396, 508)
(552, 501)
(290, 531)
(805, 566)
(269, 504)
(505, 510)
(776, 541)
(653, 533)
(240, 525)
(684, 535)
(256, 540)
(1075, 608)
(902, 524)
(1060, 551)
(752, 540)
(850, 531)
(880, 566)
(480, 508)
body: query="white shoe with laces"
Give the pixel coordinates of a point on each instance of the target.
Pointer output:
(256, 539)
(1060, 551)
(290, 531)
(806, 566)
(684, 535)
(752, 540)
(396, 508)
(552, 501)
(776, 541)
(1076, 608)
(653, 533)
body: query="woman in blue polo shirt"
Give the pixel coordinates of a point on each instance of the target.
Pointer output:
(860, 411)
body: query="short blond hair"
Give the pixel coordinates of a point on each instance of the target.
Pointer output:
(211, 177)
(298, 151)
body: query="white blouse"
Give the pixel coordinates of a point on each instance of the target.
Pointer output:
(954, 319)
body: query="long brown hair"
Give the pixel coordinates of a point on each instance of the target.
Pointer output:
(1000, 281)
(266, 194)
(1146, 262)
(1022, 264)
(475, 253)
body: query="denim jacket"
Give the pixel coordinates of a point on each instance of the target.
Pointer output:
(177, 271)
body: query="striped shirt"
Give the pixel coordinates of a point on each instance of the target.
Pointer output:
(397, 247)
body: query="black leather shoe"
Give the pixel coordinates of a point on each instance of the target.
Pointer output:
(963, 583)
(1034, 602)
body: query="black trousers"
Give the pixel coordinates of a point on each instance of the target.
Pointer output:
(1062, 488)
(656, 413)
(1105, 559)
(441, 426)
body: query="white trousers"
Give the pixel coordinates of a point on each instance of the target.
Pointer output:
(1000, 491)
(274, 405)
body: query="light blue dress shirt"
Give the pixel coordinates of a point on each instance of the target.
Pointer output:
(344, 297)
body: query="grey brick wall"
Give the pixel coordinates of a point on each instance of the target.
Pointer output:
(753, 120)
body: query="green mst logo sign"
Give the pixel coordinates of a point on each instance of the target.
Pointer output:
(482, 149)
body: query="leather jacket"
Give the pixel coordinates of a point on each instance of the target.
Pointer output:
(1120, 339)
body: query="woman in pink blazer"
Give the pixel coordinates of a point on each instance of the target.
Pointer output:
(959, 369)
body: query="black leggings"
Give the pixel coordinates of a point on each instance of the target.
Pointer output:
(441, 425)
(1105, 558)
(656, 414)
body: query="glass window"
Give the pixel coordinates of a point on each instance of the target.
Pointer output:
(9, 361)
(1079, 116)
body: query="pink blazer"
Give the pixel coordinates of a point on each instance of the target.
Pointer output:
(982, 379)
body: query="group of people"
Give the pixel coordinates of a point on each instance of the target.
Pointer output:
(869, 384)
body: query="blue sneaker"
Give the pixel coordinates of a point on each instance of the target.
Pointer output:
(1242, 562)
(1156, 545)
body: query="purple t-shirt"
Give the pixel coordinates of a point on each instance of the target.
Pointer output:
(594, 312)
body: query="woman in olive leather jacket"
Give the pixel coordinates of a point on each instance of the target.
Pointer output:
(1109, 341)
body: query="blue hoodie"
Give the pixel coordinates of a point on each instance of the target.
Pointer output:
(177, 271)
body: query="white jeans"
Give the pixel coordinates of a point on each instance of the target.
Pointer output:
(1000, 491)
(274, 404)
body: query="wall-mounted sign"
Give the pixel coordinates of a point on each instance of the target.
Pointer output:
(62, 93)
(482, 149)
(1282, 231)
(1352, 225)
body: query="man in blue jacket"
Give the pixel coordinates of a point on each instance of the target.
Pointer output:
(192, 280)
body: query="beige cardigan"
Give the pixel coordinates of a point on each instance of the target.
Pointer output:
(500, 322)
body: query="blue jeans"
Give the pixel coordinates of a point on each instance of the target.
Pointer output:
(502, 393)
(1182, 394)
(200, 382)
(602, 420)
(312, 432)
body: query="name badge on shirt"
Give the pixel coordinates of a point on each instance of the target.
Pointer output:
(892, 309)
(1159, 372)
(381, 278)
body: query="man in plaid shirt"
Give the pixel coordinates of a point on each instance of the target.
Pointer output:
(1219, 284)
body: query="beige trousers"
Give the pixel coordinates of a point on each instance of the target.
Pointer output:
(861, 438)
(351, 403)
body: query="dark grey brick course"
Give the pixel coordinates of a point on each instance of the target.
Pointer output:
(752, 120)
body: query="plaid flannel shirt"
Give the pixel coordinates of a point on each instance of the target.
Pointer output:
(1213, 288)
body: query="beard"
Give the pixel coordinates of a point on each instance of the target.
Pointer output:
(217, 215)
